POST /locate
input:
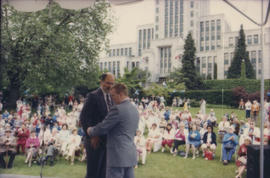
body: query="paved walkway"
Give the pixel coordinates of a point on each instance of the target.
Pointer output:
(18, 176)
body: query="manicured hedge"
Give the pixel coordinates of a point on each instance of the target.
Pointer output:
(211, 96)
(249, 85)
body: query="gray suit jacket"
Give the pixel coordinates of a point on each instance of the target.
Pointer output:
(120, 125)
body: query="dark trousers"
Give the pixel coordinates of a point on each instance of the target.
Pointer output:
(11, 159)
(177, 143)
(96, 161)
(120, 172)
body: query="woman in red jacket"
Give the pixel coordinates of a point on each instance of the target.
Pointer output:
(242, 157)
(23, 134)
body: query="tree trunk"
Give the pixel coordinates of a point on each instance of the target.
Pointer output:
(13, 96)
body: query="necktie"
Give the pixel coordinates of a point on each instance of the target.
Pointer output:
(108, 101)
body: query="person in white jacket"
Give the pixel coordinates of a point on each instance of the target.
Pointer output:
(253, 132)
(73, 145)
(139, 141)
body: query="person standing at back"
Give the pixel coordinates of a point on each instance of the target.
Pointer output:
(120, 125)
(95, 109)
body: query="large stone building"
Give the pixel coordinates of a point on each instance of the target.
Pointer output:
(160, 46)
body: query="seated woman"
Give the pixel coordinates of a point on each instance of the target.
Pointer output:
(73, 145)
(179, 138)
(194, 140)
(167, 137)
(241, 162)
(153, 139)
(63, 138)
(139, 141)
(230, 141)
(209, 141)
(32, 145)
(223, 126)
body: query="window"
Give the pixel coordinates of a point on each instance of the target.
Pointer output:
(218, 44)
(157, 10)
(191, 23)
(203, 62)
(110, 53)
(129, 51)
(236, 40)
(149, 38)
(156, 27)
(260, 56)
(218, 25)
(117, 52)
(226, 59)
(249, 39)
(157, 19)
(230, 41)
(212, 47)
(212, 25)
(207, 26)
(118, 68)
(201, 27)
(127, 64)
(110, 67)
(126, 51)
(191, 13)
(113, 52)
(137, 64)
(191, 4)
(101, 66)
(122, 51)
(157, 1)
(255, 38)
(105, 65)
(156, 36)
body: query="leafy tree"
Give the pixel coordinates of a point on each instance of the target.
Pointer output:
(190, 77)
(135, 80)
(51, 52)
(239, 55)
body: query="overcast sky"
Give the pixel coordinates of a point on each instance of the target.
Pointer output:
(128, 17)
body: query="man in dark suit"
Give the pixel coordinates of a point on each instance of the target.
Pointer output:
(95, 109)
(120, 125)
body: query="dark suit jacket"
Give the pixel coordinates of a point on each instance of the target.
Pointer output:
(120, 125)
(94, 111)
(213, 137)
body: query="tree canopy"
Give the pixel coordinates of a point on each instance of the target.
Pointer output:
(239, 55)
(191, 79)
(53, 50)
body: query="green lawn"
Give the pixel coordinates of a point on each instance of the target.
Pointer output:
(158, 165)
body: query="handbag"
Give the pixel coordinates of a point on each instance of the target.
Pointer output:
(228, 146)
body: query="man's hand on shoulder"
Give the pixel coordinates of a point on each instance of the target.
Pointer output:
(94, 142)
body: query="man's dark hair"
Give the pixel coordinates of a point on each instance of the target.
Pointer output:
(120, 88)
(104, 76)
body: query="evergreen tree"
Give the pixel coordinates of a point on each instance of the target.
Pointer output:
(239, 55)
(243, 70)
(215, 70)
(190, 77)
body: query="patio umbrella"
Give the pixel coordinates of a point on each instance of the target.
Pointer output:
(36, 5)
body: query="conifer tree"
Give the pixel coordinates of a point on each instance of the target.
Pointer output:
(190, 77)
(239, 55)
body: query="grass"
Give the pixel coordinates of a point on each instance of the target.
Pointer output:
(158, 165)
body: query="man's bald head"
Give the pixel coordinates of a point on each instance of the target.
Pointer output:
(107, 81)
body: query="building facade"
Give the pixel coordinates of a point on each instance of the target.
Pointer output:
(160, 46)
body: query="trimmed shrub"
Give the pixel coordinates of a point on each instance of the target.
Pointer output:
(250, 85)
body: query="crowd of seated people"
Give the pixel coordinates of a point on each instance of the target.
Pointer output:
(41, 134)
(51, 131)
(166, 129)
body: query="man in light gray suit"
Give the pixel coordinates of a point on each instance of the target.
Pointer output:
(120, 125)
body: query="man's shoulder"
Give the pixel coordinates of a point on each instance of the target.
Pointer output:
(95, 92)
